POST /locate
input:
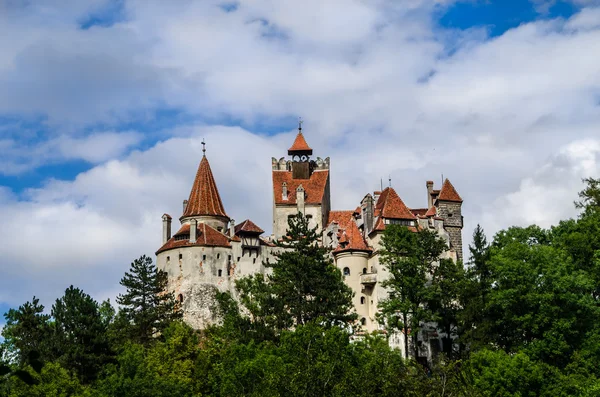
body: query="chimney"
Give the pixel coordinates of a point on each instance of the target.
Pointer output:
(300, 199)
(166, 218)
(232, 228)
(367, 209)
(429, 190)
(193, 230)
(284, 191)
(185, 203)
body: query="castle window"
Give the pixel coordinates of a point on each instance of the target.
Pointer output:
(364, 270)
(363, 321)
(203, 257)
(229, 258)
(254, 260)
(346, 271)
(362, 300)
(218, 256)
(180, 256)
(180, 298)
(220, 272)
(220, 229)
(168, 259)
(239, 259)
(449, 214)
(308, 216)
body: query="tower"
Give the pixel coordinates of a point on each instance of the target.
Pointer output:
(449, 208)
(300, 185)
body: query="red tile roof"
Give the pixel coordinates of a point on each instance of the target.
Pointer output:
(348, 232)
(390, 205)
(431, 212)
(204, 197)
(449, 193)
(206, 236)
(300, 145)
(249, 227)
(419, 211)
(314, 187)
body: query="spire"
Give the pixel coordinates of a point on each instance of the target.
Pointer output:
(300, 147)
(449, 193)
(204, 197)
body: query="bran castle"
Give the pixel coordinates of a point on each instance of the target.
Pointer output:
(209, 251)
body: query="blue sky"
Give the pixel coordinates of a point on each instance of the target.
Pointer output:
(104, 103)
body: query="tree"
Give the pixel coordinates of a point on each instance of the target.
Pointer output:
(80, 343)
(304, 286)
(409, 257)
(475, 288)
(590, 196)
(27, 334)
(447, 283)
(147, 304)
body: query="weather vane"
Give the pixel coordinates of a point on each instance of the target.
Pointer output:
(203, 147)
(300, 121)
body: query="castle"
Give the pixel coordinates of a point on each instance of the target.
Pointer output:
(209, 251)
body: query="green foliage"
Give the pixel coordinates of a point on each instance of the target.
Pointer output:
(304, 286)
(79, 335)
(409, 257)
(147, 305)
(26, 334)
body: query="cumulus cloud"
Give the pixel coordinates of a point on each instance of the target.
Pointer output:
(512, 121)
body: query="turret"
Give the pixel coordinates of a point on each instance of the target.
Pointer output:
(449, 207)
(166, 234)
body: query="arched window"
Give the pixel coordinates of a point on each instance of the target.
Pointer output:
(363, 321)
(346, 271)
(362, 300)
(364, 270)
(180, 298)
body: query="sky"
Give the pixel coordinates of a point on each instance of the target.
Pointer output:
(104, 104)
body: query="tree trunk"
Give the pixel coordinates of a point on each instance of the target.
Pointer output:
(405, 319)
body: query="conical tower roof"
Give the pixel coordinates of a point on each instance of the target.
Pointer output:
(204, 197)
(449, 193)
(300, 146)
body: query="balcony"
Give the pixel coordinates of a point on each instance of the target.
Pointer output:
(368, 279)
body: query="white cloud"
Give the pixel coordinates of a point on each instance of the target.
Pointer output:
(512, 121)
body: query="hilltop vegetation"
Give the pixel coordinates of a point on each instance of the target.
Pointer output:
(521, 319)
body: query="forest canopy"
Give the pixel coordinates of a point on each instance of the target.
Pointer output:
(520, 318)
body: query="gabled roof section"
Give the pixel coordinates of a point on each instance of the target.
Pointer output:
(431, 212)
(390, 205)
(314, 187)
(349, 236)
(204, 198)
(300, 146)
(449, 193)
(206, 236)
(248, 227)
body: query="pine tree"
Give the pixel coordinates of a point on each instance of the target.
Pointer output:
(304, 286)
(26, 333)
(147, 305)
(79, 341)
(475, 289)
